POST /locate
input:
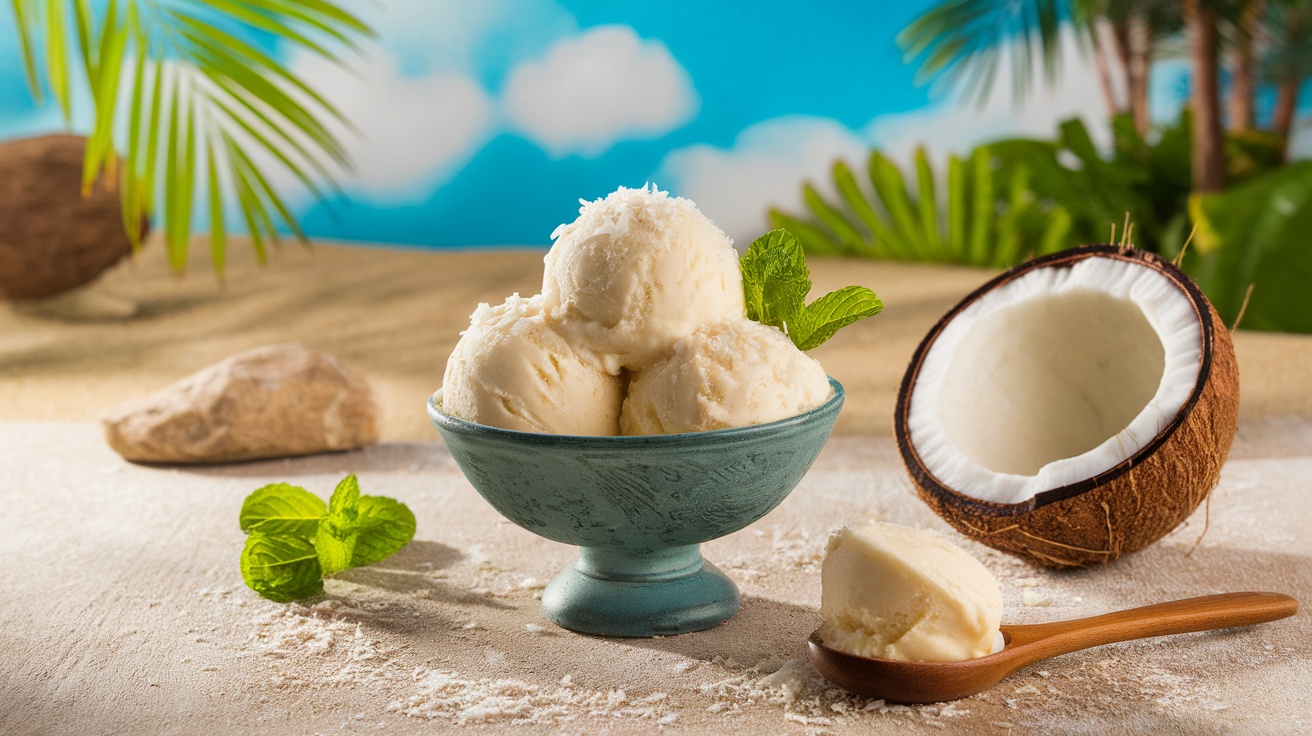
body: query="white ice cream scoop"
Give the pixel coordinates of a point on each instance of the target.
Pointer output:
(635, 272)
(726, 374)
(512, 370)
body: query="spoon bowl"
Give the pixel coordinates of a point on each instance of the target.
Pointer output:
(934, 682)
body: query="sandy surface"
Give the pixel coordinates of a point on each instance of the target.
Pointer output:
(394, 316)
(122, 607)
(124, 611)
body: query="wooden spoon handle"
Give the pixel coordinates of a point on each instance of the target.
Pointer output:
(1177, 617)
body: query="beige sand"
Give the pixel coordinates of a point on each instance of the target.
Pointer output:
(394, 315)
(122, 608)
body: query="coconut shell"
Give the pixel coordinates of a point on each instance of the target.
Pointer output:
(53, 239)
(1127, 507)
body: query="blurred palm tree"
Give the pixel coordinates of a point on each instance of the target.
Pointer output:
(200, 102)
(963, 42)
(1287, 62)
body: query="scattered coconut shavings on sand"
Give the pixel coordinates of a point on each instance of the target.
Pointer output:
(797, 548)
(806, 697)
(443, 695)
(1097, 688)
(1033, 598)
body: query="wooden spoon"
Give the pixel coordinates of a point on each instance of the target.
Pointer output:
(932, 682)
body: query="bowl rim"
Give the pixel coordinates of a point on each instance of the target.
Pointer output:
(465, 427)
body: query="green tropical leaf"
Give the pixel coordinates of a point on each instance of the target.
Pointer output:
(994, 216)
(56, 39)
(891, 189)
(22, 21)
(926, 201)
(982, 207)
(236, 53)
(82, 14)
(197, 85)
(855, 201)
(131, 201)
(323, 17)
(1256, 234)
(1055, 233)
(812, 237)
(113, 45)
(152, 142)
(218, 230)
(963, 41)
(242, 11)
(849, 238)
(957, 217)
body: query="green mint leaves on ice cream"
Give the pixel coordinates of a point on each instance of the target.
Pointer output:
(295, 539)
(776, 282)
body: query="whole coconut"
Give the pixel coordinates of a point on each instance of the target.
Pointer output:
(51, 238)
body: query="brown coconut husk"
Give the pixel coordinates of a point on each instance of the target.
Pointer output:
(1128, 507)
(52, 239)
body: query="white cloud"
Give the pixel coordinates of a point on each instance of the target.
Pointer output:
(465, 36)
(412, 134)
(765, 166)
(415, 127)
(591, 91)
(769, 160)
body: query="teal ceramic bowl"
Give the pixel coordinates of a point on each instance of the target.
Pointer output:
(638, 507)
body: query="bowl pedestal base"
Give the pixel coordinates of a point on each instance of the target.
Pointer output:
(617, 592)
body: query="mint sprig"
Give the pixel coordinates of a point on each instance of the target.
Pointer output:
(776, 282)
(296, 539)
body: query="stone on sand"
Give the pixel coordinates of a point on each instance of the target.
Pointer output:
(272, 401)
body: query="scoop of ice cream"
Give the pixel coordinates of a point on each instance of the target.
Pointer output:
(511, 370)
(728, 374)
(892, 592)
(637, 271)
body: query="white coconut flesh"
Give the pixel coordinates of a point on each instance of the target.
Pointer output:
(1053, 378)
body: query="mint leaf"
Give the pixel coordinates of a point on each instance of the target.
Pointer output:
(775, 279)
(776, 282)
(831, 313)
(281, 567)
(296, 539)
(385, 526)
(345, 500)
(335, 538)
(282, 508)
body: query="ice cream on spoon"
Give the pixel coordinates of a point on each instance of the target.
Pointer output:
(893, 592)
(910, 618)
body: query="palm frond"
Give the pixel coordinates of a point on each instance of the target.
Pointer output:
(24, 18)
(206, 111)
(57, 72)
(962, 42)
(989, 214)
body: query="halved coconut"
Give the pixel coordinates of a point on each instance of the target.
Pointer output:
(1073, 409)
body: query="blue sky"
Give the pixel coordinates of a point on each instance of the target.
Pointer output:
(485, 123)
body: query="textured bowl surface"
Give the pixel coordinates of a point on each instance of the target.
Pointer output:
(638, 494)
